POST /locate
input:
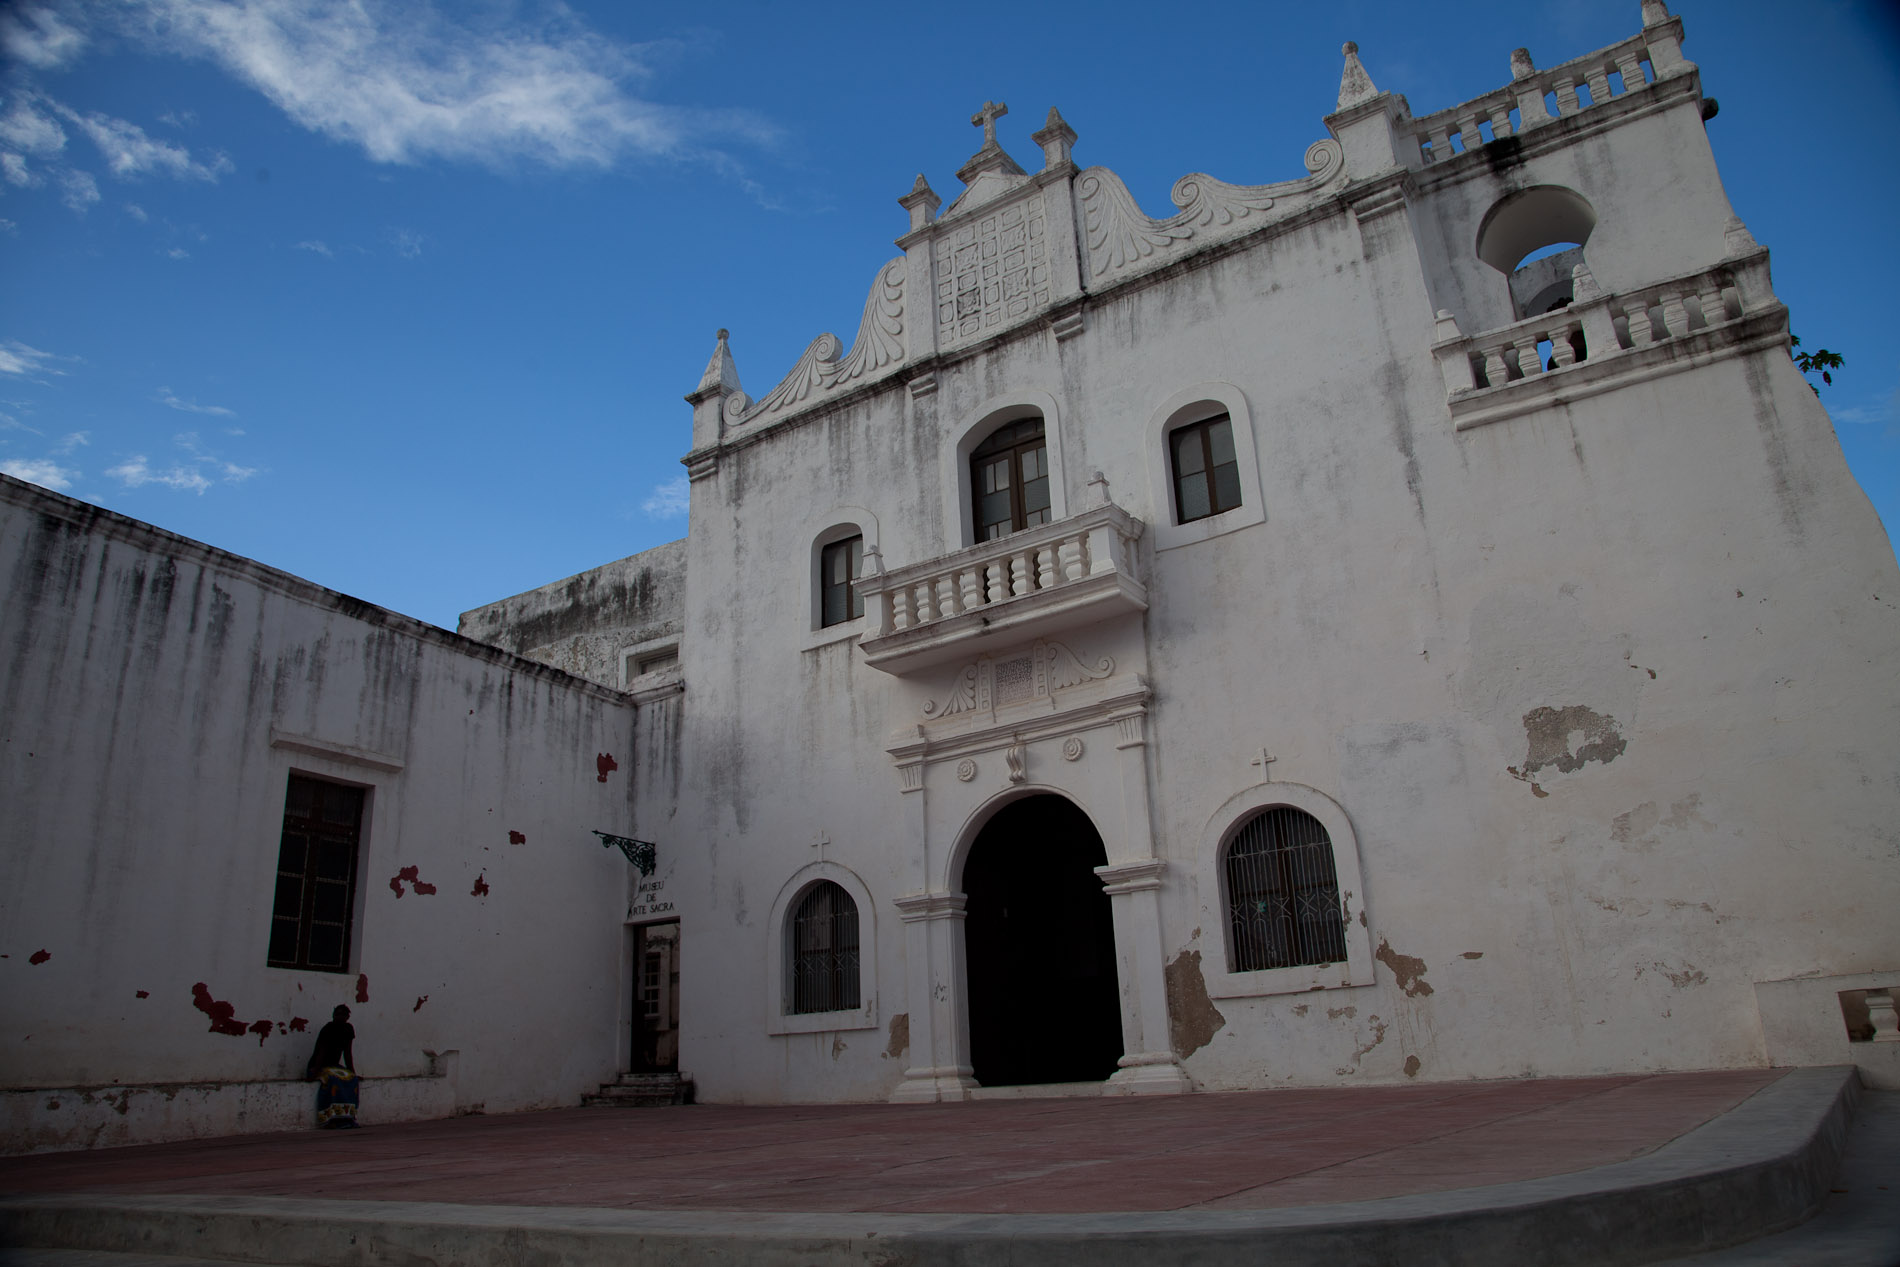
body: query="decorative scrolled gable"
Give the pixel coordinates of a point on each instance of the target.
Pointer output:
(826, 367)
(1121, 239)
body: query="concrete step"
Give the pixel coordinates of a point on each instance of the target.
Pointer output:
(641, 1090)
(1764, 1166)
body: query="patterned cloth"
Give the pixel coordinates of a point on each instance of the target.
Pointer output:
(336, 1097)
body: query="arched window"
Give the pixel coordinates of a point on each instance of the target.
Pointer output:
(1009, 480)
(1282, 890)
(824, 951)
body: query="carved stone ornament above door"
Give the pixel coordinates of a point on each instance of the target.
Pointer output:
(1026, 675)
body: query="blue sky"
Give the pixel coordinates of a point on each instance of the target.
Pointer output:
(404, 299)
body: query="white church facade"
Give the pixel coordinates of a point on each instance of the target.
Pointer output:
(1296, 640)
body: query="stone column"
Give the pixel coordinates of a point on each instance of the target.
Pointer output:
(939, 1015)
(1148, 1064)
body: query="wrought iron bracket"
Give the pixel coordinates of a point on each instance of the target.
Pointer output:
(643, 854)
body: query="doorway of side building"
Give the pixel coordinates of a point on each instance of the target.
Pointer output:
(656, 999)
(1039, 942)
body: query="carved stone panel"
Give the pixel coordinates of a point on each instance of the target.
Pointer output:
(988, 684)
(991, 271)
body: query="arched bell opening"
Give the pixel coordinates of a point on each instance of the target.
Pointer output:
(1536, 237)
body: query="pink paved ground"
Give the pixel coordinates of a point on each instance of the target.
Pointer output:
(1237, 1150)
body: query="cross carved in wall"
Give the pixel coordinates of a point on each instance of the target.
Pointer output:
(1265, 761)
(986, 119)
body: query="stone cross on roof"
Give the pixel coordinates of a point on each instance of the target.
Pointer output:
(986, 119)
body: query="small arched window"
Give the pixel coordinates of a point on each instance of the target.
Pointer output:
(824, 951)
(1282, 889)
(1009, 480)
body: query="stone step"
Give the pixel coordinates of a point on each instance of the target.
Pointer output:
(641, 1090)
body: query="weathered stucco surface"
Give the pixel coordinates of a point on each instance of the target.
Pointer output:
(586, 624)
(155, 694)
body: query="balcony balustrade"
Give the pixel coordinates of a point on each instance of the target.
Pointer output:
(1031, 584)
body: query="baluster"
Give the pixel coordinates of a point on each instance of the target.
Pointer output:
(1562, 350)
(925, 611)
(1468, 135)
(1441, 143)
(1021, 580)
(1675, 316)
(947, 595)
(1714, 309)
(1501, 120)
(1046, 567)
(900, 608)
(998, 573)
(1073, 569)
(1642, 334)
(1567, 103)
(1528, 362)
(1631, 65)
(1479, 375)
(1599, 79)
(1495, 374)
(971, 579)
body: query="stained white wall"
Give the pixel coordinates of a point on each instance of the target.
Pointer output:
(156, 693)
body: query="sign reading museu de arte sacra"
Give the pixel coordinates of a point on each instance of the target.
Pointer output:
(644, 855)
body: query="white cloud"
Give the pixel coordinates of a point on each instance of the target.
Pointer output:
(136, 472)
(18, 358)
(668, 500)
(318, 247)
(40, 471)
(73, 440)
(9, 423)
(408, 242)
(178, 118)
(81, 190)
(136, 212)
(407, 82)
(8, 227)
(164, 396)
(16, 171)
(39, 38)
(178, 253)
(129, 152)
(28, 130)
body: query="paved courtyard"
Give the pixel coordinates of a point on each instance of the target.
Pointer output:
(1247, 1150)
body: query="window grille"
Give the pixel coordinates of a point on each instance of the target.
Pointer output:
(1283, 907)
(1206, 470)
(825, 951)
(316, 876)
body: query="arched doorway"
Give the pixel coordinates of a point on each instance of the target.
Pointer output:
(1039, 942)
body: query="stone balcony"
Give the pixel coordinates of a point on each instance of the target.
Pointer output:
(1604, 341)
(1038, 583)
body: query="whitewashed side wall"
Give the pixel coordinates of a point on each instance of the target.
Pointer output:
(157, 693)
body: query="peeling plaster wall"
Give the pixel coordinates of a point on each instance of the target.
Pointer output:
(155, 693)
(581, 625)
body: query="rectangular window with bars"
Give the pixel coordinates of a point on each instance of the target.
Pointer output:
(315, 899)
(1283, 907)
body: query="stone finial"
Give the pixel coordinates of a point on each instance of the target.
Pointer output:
(1737, 240)
(991, 157)
(1521, 67)
(922, 203)
(721, 376)
(1057, 138)
(1655, 12)
(1584, 285)
(1099, 483)
(1355, 85)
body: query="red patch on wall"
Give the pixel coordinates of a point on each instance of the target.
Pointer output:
(223, 1015)
(41, 956)
(298, 1024)
(144, 994)
(419, 1003)
(423, 888)
(516, 838)
(481, 886)
(362, 987)
(262, 1029)
(606, 765)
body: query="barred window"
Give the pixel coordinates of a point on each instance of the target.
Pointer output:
(1283, 907)
(824, 937)
(316, 876)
